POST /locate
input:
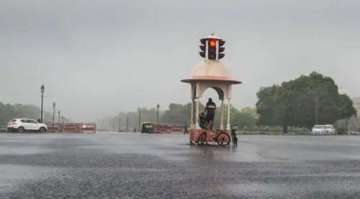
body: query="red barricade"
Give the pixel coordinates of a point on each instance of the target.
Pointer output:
(72, 127)
(163, 128)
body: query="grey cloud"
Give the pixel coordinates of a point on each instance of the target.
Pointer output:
(100, 57)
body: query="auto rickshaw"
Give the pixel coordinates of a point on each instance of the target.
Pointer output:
(147, 127)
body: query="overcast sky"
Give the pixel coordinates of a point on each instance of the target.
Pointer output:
(99, 57)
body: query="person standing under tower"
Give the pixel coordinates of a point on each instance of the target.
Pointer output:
(210, 113)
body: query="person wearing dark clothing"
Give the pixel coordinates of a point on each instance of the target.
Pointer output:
(202, 120)
(234, 137)
(210, 113)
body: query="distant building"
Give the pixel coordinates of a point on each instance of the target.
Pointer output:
(356, 102)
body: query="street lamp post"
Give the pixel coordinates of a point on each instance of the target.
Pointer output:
(139, 119)
(157, 114)
(127, 123)
(59, 112)
(114, 124)
(42, 89)
(60, 127)
(119, 122)
(54, 111)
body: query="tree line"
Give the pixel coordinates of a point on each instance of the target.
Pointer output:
(303, 102)
(11, 111)
(174, 114)
(299, 103)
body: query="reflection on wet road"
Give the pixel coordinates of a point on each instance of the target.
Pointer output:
(113, 165)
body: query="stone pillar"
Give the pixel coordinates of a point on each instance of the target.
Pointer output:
(192, 124)
(228, 125)
(197, 126)
(222, 115)
(193, 96)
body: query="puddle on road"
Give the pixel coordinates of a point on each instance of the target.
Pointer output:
(180, 150)
(12, 175)
(21, 150)
(331, 183)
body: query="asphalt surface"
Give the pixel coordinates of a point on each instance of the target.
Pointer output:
(114, 165)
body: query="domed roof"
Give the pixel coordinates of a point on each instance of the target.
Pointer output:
(210, 70)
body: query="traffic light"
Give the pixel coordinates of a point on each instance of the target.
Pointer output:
(212, 49)
(221, 49)
(203, 48)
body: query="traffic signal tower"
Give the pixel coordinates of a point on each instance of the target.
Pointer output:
(212, 48)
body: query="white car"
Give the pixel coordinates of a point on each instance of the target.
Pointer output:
(327, 129)
(24, 124)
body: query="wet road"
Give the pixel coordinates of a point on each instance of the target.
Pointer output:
(113, 165)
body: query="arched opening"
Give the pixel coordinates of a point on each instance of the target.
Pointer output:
(220, 92)
(217, 96)
(212, 92)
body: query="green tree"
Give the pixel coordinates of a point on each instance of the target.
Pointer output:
(271, 106)
(8, 112)
(244, 118)
(177, 114)
(303, 102)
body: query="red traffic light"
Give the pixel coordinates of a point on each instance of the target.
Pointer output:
(212, 48)
(212, 43)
